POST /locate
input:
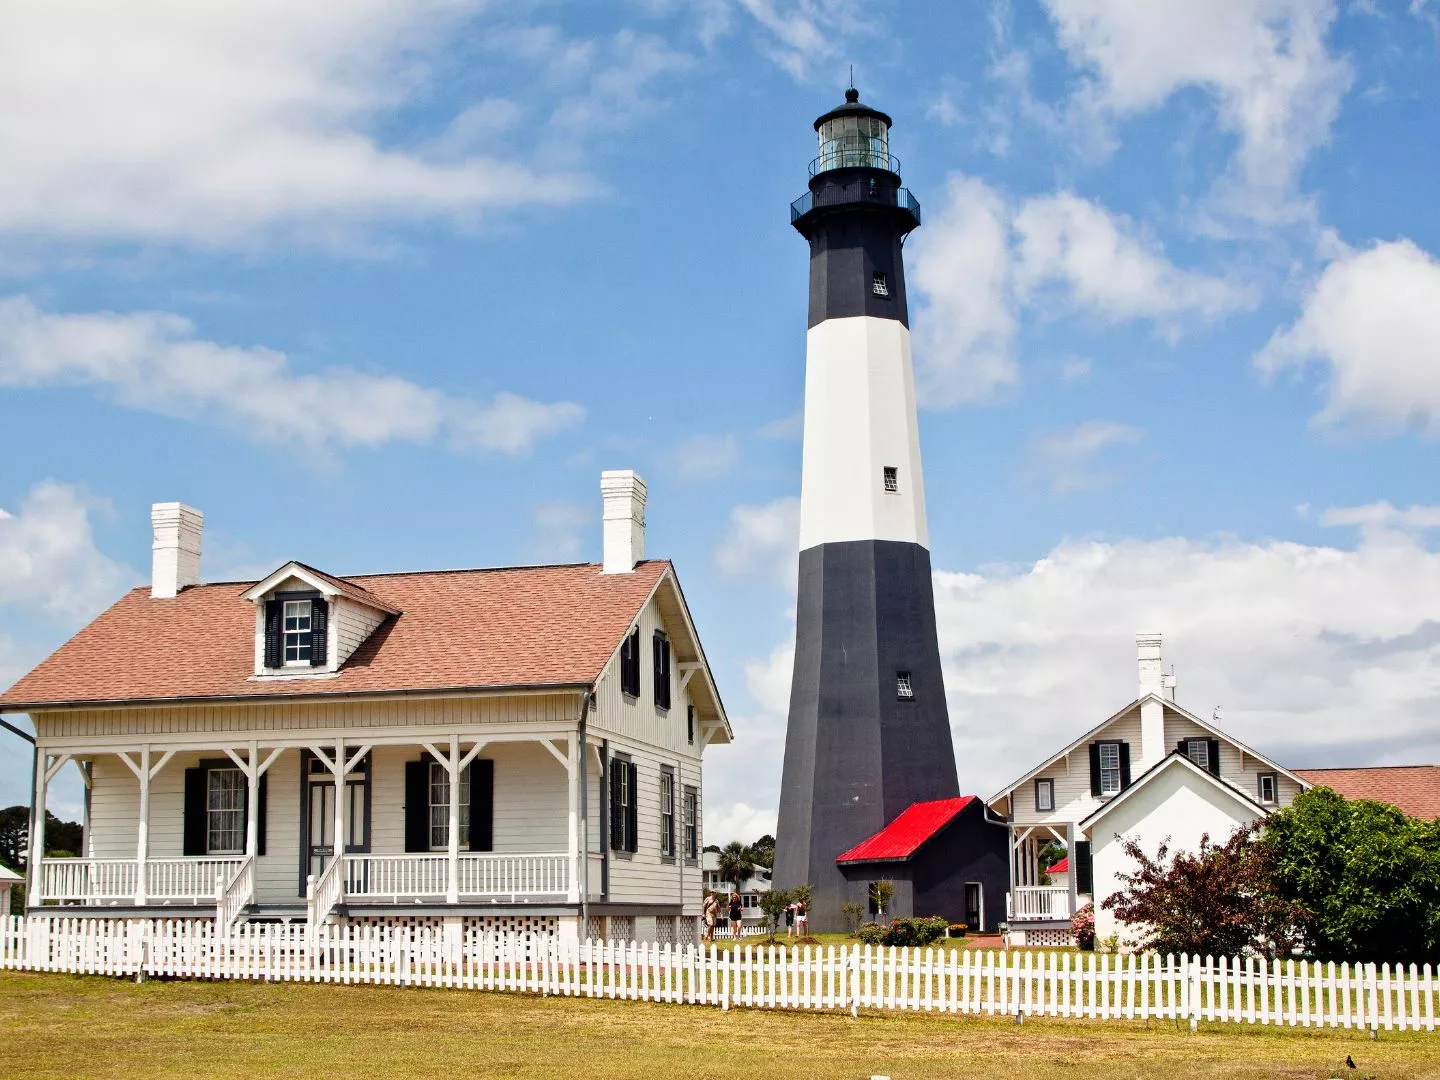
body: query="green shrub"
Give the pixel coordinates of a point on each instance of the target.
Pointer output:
(872, 934)
(910, 931)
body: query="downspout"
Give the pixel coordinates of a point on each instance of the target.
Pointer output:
(585, 700)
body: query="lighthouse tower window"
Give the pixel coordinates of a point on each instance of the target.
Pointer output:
(892, 479)
(903, 689)
(881, 287)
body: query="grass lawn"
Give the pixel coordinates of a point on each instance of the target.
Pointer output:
(68, 1026)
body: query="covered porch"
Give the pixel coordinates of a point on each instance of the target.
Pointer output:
(296, 827)
(1030, 900)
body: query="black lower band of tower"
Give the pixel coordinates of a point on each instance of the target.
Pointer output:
(857, 752)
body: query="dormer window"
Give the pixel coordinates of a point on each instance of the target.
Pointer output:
(297, 633)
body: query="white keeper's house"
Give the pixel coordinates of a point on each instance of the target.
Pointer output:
(515, 748)
(1153, 771)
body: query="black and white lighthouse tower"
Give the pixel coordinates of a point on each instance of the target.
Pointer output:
(869, 733)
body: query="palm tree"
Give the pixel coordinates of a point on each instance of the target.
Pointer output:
(736, 865)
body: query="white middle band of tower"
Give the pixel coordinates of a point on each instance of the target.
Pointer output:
(859, 420)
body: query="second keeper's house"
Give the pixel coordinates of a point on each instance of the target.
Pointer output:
(515, 748)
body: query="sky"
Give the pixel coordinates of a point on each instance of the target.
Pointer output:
(385, 286)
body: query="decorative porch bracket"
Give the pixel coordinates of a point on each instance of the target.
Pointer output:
(144, 772)
(454, 765)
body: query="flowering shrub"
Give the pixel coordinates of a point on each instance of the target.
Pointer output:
(1083, 927)
(872, 933)
(957, 929)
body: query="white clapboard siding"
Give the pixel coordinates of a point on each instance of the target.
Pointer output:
(353, 624)
(1244, 777)
(1071, 774)
(1183, 989)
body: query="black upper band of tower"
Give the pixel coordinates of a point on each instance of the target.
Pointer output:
(856, 217)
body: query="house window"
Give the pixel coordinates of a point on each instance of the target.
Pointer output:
(1198, 751)
(1109, 768)
(690, 724)
(881, 286)
(1044, 795)
(224, 812)
(297, 633)
(630, 664)
(903, 690)
(892, 479)
(667, 811)
(692, 823)
(624, 820)
(440, 806)
(1268, 783)
(662, 670)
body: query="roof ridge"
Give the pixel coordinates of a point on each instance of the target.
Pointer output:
(1365, 768)
(412, 573)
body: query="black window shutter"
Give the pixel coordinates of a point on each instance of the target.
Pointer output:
(319, 640)
(1084, 871)
(195, 807)
(1095, 769)
(617, 816)
(1124, 765)
(482, 804)
(632, 817)
(274, 612)
(1214, 756)
(260, 815)
(417, 805)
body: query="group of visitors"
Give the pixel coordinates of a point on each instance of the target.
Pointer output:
(711, 911)
(797, 918)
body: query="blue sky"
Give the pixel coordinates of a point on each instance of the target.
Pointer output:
(386, 286)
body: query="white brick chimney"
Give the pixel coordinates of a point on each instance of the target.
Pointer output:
(624, 494)
(1152, 712)
(175, 555)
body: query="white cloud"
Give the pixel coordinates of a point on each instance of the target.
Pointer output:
(1318, 654)
(560, 530)
(960, 264)
(981, 260)
(742, 780)
(704, 457)
(1264, 62)
(1067, 458)
(1372, 318)
(153, 361)
(210, 123)
(1382, 517)
(762, 539)
(801, 34)
(49, 561)
(1107, 267)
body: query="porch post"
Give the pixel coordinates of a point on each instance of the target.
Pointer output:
(142, 837)
(37, 829)
(1072, 876)
(340, 807)
(571, 772)
(252, 802)
(452, 850)
(87, 777)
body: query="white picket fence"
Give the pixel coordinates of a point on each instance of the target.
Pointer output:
(1181, 989)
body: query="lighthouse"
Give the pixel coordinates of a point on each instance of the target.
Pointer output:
(868, 732)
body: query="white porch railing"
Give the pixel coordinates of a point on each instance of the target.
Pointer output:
(324, 892)
(400, 879)
(235, 896)
(116, 881)
(1039, 902)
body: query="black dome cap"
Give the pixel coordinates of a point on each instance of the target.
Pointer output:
(852, 107)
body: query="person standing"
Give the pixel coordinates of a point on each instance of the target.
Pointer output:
(802, 919)
(710, 910)
(737, 914)
(789, 920)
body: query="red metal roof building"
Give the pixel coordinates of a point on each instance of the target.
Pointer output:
(904, 836)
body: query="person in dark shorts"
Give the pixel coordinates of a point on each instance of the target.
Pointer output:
(736, 914)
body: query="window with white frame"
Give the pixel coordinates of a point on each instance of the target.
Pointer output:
(1109, 768)
(692, 823)
(1268, 784)
(297, 633)
(891, 475)
(440, 807)
(224, 812)
(1198, 751)
(1045, 795)
(880, 284)
(903, 688)
(667, 811)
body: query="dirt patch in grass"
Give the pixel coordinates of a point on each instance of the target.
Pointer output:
(67, 1026)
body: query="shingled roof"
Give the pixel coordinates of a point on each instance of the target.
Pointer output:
(529, 626)
(1415, 789)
